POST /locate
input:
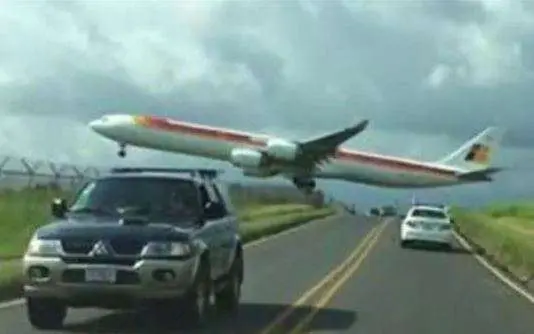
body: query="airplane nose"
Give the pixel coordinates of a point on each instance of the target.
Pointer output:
(113, 126)
(97, 125)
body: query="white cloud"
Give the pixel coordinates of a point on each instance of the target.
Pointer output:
(485, 57)
(439, 75)
(483, 52)
(488, 52)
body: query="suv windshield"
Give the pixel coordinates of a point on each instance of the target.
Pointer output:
(159, 198)
(426, 213)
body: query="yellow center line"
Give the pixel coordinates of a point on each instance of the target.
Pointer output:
(311, 292)
(328, 295)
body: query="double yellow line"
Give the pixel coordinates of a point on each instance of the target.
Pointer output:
(322, 293)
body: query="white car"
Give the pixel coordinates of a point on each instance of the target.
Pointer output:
(427, 224)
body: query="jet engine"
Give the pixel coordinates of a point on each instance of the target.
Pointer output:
(282, 149)
(246, 158)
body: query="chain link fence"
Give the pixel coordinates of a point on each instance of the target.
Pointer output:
(22, 173)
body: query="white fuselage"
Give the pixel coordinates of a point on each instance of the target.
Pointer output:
(353, 166)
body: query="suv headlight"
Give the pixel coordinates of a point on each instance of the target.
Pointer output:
(165, 248)
(44, 247)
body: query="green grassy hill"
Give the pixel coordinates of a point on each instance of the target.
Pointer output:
(504, 233)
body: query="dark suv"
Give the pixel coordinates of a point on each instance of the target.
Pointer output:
(137, 237)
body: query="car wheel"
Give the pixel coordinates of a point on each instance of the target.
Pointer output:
(45, 314)
(227, 300)
(197, 300)
(404, 243)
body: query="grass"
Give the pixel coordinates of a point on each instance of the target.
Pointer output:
(517, 210)
(21, 213)
(10, 286)
(504, 234)
(25, 210)
(279, 223)
(260, 212)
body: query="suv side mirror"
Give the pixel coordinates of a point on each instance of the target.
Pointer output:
(59, 207)
(208, 206)
(204, 214)
(208, 210)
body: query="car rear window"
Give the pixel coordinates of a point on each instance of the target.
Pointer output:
(427, 213)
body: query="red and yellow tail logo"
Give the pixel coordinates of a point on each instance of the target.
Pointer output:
(479, 153)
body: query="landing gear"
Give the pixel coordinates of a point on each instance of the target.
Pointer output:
(307, 186)
(122, 151)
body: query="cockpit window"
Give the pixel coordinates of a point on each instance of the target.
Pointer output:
(157, 198)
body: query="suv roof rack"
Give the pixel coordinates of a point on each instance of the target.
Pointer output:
(204, 173)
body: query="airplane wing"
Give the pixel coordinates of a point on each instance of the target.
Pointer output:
(320, 149)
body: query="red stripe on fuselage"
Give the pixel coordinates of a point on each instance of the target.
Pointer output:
(249, 139)
(203, 131)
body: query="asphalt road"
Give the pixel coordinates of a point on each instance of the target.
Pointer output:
(381, 289)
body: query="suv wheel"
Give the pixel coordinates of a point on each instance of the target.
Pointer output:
(45, 313)
(227, 300)
(197, 301)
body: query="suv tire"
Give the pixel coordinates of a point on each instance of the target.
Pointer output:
(227, 300)
(197, 300)
(45, 314)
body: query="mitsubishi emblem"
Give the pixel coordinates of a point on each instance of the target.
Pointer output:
(99, 249)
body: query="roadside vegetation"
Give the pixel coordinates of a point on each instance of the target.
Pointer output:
(263, 212)
(504, 234)
(279, 222)
(255, 213)
(10, 286)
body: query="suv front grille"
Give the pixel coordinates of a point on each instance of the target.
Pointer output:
(119, 246)
(77, 246)
(124, 246)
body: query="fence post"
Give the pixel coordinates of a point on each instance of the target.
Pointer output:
(56, 174)
(64, 168)
(30, 171)
(4, 163)
(78, 178)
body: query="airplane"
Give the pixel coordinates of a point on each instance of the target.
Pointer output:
(264, 156)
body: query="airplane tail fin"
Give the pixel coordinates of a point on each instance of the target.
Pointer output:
(477, 153)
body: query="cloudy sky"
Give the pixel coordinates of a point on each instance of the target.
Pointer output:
(428, 74)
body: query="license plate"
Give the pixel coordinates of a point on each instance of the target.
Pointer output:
(102, 275)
